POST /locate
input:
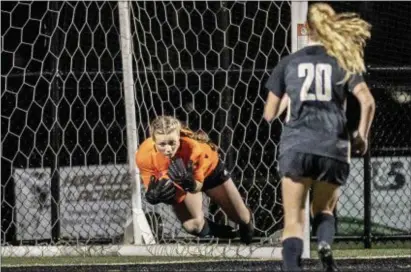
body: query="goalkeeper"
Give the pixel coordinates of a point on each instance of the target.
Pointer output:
(315, 144)
(176, 165)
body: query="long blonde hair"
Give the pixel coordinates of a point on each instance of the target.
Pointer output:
(343, 35)
(167, 124)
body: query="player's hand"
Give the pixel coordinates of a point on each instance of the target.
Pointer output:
(160, 191)
(181, 175)
(359, 144)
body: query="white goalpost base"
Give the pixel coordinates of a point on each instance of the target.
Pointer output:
(172, 250)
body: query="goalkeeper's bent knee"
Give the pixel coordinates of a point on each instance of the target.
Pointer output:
(205, 231)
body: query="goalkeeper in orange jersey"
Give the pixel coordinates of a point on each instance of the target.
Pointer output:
(176, 165)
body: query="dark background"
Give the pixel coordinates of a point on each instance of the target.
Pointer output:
(206, 63)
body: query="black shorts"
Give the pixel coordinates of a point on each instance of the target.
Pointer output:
(216, 178)
(303, 165)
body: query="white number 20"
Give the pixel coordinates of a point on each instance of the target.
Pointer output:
(318, 72)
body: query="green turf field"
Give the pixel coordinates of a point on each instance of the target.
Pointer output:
(357, 253)
(355, 227)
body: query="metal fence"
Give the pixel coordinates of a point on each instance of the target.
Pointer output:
(375, 203)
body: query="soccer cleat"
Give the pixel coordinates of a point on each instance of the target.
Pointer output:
(225, 232)
(326, 256)
(247, 231)
(219, 230)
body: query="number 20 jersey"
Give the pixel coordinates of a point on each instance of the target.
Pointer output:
(316, 121)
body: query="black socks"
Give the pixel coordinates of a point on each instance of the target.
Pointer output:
(324, 227)
(292, 251)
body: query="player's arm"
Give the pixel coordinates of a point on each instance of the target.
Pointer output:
(274, 107)
(367, 103)
(276, 101)
(144, 168)
(360, 90)
(283, 105)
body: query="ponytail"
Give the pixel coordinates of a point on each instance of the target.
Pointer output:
(199, 136)
(343, 35)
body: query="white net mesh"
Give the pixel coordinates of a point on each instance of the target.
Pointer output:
(63, 124)
(64, 153)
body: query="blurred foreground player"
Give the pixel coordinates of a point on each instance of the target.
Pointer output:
(176, 165)
(315, 144)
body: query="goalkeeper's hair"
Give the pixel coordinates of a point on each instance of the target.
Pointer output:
(343, 35)
(167, 124)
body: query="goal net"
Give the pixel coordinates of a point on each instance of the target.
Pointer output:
(66, 180)
(206, 63)
(64, 177)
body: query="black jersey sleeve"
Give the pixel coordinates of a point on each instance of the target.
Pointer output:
(354, 80)
(276, 81)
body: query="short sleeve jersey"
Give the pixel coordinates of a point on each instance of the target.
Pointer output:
(316, 120)
(150, 162)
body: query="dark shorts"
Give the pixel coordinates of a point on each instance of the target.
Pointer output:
(216, 178)
(303, 165)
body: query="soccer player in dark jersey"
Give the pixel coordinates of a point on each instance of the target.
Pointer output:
(315, 142)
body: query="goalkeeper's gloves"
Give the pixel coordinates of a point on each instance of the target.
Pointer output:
(181, 175)
(160, 191)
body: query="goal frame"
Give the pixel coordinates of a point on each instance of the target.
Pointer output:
(143, 239)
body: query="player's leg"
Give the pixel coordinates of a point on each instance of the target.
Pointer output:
(222, 191)
(296, 169)
(229, 199)
(190, 213)
(325, 198)
(294, 193)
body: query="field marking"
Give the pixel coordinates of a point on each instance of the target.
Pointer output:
(374, 257)
(195, 261)
(139, 263)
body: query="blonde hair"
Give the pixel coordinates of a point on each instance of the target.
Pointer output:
(343, 35)
(167, 124)
(164, 125)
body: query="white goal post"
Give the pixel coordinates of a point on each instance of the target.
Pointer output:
(300, 39)
(92, 75)
(141, 229)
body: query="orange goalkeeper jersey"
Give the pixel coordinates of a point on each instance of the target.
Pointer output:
(151, 162)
